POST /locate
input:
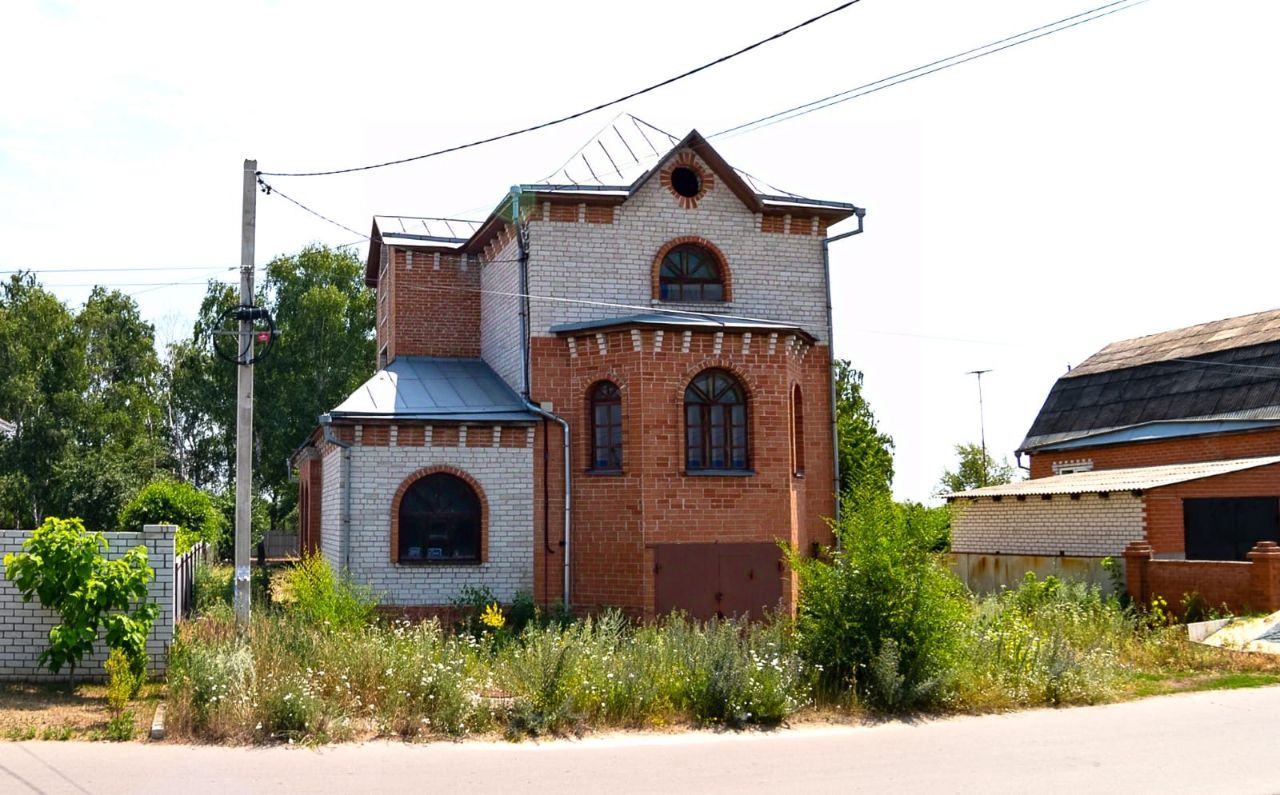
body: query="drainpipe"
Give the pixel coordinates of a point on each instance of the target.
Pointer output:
(859, 212)
(331, 438)
(523, 257)
(541, 412)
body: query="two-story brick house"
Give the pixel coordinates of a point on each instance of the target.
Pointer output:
(611, 394)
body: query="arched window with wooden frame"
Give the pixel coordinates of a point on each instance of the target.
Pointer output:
(439, 521)
(715, 421)
(690, 272)
(605, 404)
(797, 431)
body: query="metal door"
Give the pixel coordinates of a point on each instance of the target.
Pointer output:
(710, 580)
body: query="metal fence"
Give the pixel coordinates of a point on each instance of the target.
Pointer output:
(184, 580)
(278, 544)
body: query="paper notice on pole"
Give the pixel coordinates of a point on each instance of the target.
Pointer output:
(242, 573)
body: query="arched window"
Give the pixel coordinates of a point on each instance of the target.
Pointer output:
(690, 273)
(797, 431)
(606, 427)
(439, 521)
(715, 421)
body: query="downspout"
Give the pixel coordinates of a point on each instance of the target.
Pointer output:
(564, 424)
(859, 212)
(345, 520)
(523, 258)
(526, 378)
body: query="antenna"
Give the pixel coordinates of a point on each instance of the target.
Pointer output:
(982, 423)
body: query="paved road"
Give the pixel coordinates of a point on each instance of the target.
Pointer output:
(1204, 742)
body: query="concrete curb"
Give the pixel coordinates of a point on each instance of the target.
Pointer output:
(157, 723)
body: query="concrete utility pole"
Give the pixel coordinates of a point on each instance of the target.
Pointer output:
(982, 423)
(244, 398)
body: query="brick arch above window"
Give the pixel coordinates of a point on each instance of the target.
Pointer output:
(408, 482)
(745, 379)
(722, 263)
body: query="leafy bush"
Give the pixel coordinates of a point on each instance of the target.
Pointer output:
(124, 681)
(64, 566)
(181, 504)
(883, 584)
(315, 593)
(121, 727)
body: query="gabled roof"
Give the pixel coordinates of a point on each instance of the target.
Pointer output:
(429, 388)
(597, 187)
(1178, 383)
(1116, 480)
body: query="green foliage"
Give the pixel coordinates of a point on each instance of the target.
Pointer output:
(975, 468)
(121, 727)
(170, 502)
(63, 566)
(1048, 641)
(314, 593)
(124, 680)
(866, 453)
(883, 583)
(259, 522)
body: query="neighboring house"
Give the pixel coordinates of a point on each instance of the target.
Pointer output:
(7, 429)
(677, 325)
(1170, 441)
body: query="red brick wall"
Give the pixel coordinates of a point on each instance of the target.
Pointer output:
(616, 517)
(1217, 447)
(433, 311)
(309, 490)
(1165, 530)
(1241, 586)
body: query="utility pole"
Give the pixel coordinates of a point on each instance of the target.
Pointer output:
(982, 423)
(244, 398)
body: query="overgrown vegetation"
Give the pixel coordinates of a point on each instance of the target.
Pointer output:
(170, 502)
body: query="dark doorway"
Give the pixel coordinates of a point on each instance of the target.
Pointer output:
(1227, 528)
(717, 580)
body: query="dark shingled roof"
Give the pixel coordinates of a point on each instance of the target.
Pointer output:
(1229, 369)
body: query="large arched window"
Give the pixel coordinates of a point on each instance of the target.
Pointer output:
(715, 421)
(439, 521)
(606, 427)
(690, 273)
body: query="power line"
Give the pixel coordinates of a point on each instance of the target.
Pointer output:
(268, 189)
(571, 116)
(930, 68)
(131, 269)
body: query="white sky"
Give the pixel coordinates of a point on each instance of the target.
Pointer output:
(1025, 209)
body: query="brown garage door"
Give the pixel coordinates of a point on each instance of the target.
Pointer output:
(707, 580)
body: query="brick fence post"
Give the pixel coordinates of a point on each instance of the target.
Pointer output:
(1265, 575)
(1137, 556)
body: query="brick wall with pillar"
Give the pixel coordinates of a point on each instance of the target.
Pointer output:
(1240, 586)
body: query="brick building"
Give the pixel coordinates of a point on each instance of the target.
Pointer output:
(1167, 445)
(614, 394)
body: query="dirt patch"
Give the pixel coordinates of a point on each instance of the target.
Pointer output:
(56, 712)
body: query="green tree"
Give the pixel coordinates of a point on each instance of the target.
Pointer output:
(119, 435)
(975, 468)
(63, 565)
(42, 380)
(866, 453)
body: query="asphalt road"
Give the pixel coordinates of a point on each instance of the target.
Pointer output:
(1203, 742)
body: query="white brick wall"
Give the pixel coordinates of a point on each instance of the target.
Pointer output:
(500, 343)
(775, 276)
(24, 626)
(1089, 526)
(505, 475)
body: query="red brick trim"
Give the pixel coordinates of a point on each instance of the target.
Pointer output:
(655, 271)
(419, 475)
(706, 180)
(717, 363)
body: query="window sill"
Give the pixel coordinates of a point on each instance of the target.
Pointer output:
(720, 473)
(417, 564)
(708, 307)
(604, 473)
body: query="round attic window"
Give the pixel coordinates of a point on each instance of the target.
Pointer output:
(686, 182)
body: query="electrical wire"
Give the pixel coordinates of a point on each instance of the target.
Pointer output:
(268, 189)
(571, 116)
(130, 269)
(936, 66)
